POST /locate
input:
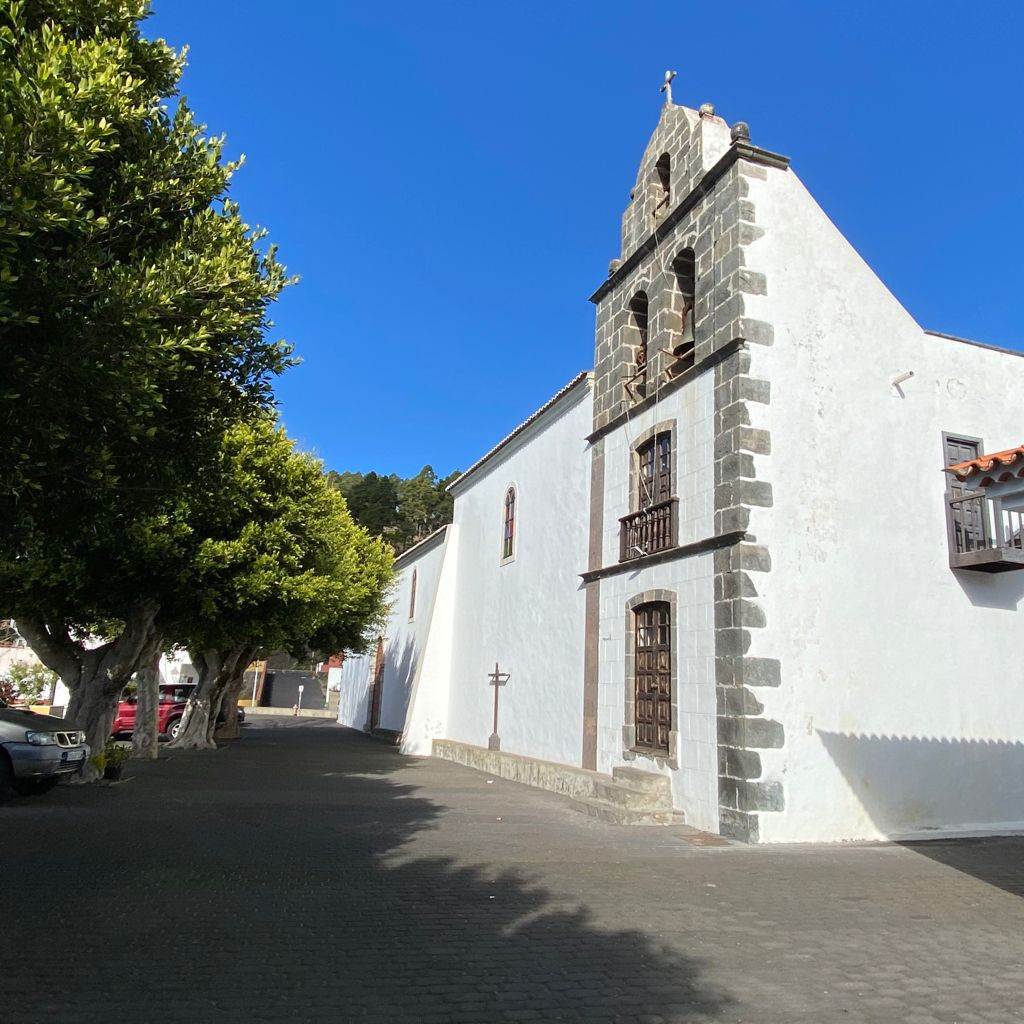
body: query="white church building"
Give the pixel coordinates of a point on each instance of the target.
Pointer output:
(726, 566)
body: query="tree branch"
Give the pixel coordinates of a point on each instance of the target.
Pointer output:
(54, 647)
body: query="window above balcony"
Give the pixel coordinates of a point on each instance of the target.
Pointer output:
(654, 526)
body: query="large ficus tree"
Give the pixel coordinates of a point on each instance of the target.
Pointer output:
(133, 318)
(281, 566)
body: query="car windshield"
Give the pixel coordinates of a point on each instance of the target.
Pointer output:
(175, 694)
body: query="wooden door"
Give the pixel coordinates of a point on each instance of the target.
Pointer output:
(653, 661)
(967, 518)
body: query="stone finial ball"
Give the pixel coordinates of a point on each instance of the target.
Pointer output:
(740, 130)
(707, 110)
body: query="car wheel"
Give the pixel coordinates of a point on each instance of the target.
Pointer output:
(173, 727)
(34, 787)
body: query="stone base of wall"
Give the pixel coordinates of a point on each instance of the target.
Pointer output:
(558, 778)
(287, 712)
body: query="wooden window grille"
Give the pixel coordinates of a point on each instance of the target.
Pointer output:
(412, 597)
(508, 538)
(653, 676)
(653, 527)
(654, 476)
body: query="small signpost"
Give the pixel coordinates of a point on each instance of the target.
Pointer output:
(498, 679)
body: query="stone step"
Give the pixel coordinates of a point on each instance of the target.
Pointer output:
(616, 814)
(647, 782)
(614, 792)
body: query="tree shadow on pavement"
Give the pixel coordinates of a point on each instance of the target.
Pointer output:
(279, 885)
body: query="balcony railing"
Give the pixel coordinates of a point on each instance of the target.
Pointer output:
(984, 536)
(649, 530)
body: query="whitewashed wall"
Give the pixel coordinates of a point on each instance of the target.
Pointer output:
(404, 641)
(427, 715)
(901, 679)
(177, 666)
(355, 678)
(406, 637)
(528, 613)
(695, 781)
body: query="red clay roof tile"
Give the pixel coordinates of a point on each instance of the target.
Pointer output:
(985, 464)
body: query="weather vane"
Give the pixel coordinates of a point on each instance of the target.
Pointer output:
(667, 87)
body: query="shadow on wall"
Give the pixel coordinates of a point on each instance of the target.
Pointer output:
(365, 927)
(399, 674)
(992, 590)
(914, 783)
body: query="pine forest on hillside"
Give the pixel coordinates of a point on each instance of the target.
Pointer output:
(401, 511)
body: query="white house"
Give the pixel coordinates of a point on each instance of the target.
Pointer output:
(729, 556)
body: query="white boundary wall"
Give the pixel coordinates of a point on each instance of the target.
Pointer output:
(405, 639)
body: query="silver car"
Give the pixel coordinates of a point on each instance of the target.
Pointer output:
(37, 750)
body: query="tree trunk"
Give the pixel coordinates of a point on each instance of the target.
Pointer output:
(145, 737)
(91, 710)
(229, 730)
(232, 692)
(94, 676)
(194, 732)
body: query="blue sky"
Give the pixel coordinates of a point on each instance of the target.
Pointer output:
(448, 178)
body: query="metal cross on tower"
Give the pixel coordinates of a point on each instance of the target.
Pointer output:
(498, 679)
(667, 87)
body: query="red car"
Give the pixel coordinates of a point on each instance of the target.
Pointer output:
(173, 698)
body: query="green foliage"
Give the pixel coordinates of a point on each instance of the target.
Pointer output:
(112, 755)
(373, 502)
(281, 565)
(30, 682)
(115, 754)
(133, 305)
(401, 511)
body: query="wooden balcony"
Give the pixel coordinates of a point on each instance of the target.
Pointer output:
(982, 535)
(649, 530)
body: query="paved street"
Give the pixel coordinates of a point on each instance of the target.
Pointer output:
(309, 873)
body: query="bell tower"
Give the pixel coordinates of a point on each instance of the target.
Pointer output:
(680, 333)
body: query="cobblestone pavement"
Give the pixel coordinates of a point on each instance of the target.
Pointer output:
(309, 873)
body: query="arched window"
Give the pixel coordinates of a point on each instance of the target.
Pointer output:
(685, 274)
(653, 675)
(508, 534)
(636, 381)
(662, 186)
(412, 597)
